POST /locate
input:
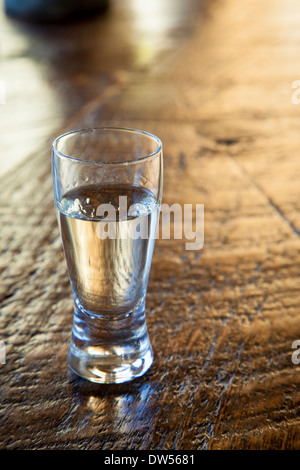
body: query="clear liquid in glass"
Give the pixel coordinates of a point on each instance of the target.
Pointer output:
(109, 273)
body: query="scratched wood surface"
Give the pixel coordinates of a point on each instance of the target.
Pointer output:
(213, 81)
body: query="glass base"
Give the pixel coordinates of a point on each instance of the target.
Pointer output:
(100, 370)
(107, 352)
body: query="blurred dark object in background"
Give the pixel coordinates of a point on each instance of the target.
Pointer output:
(54, 10)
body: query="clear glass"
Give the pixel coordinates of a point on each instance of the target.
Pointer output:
(107, 190)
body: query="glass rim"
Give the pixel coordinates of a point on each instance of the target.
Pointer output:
(107, 128)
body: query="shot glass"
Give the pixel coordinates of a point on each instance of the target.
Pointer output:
(107, 186)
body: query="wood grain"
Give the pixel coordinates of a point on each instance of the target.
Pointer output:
(216, 88)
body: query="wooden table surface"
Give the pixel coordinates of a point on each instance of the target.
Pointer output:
(213, 79)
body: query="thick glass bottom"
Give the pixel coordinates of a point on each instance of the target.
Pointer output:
(105, 370)
(107, 352)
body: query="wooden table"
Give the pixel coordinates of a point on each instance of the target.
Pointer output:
(213, 80)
